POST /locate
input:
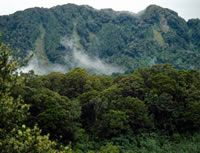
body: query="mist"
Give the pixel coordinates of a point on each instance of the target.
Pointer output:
(41, 68)
(92, 63)
(75, 57)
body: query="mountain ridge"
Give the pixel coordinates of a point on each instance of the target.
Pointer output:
(121, 39)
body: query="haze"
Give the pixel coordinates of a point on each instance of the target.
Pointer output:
(185, 8)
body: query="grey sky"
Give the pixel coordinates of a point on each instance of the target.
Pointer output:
(185, 8)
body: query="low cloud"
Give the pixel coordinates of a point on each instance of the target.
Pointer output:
(42, 68)
(75, 57)
(94, 64)
(81, 59)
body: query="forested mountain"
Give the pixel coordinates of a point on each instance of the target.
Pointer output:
(104, 41)
(152, 107)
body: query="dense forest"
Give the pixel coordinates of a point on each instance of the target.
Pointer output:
(67, 34)
(125, 82)
(150, 110)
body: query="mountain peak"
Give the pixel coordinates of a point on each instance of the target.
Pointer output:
(153, 6)
(157, 10)
(155, 13)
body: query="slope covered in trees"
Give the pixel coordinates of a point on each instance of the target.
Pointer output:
(155, 109)
(67, 34)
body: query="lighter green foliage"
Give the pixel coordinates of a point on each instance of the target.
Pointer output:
(158, 37)
(26, 140)
(12, 112)
(108, 148)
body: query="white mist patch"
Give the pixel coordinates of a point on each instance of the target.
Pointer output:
(80, 59)
(41, 68)
(95, 64)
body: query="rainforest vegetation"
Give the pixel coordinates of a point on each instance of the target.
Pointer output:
(149, 110)
(116, 92)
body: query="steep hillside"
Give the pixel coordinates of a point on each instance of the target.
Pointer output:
(104, 41)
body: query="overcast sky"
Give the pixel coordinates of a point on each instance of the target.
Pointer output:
(185, 8)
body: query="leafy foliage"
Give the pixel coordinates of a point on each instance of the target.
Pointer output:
(100, 113)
